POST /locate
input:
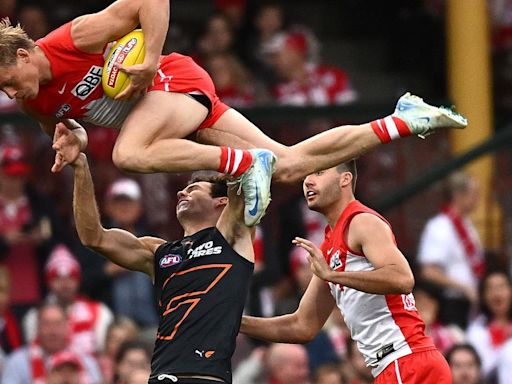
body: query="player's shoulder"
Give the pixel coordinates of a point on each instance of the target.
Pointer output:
(366, 219)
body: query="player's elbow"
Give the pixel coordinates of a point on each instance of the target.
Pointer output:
(306, 336)
(90, 239)
(406, 283)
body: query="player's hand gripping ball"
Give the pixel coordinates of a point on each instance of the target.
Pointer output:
(129, 50)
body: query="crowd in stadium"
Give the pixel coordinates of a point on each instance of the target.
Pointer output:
(98, 320)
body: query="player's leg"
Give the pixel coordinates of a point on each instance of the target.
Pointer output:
(151, 140)
(294, 163)
(412, 116)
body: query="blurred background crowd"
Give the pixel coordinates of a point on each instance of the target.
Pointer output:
(295, 68)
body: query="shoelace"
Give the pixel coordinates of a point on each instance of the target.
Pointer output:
(239, 180)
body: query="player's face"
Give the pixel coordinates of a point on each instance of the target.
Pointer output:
(195, 199)
(21, 80)
(322, 189)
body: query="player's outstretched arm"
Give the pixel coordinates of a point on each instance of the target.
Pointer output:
(119, 246)
(299, 327)
(373, 237)
(232, 226)
(92, 32)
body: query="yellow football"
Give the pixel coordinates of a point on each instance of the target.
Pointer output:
(128, 50)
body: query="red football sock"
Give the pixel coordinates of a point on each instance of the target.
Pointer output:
(390, 128)
(234, 162)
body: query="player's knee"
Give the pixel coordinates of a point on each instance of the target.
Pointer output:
(127, 160)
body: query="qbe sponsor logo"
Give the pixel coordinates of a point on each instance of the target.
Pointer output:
(89, 83)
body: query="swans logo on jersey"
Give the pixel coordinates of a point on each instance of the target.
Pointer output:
(335, 260)
(89, 83)
(409, 302)
(170, 260)
(205, 249)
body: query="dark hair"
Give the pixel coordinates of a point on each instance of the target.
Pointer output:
(219, 187)
(131, 345)
(349, 166)
(463, 347)
(431, 289)
(484, 308)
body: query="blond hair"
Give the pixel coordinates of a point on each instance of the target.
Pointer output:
(11, 39)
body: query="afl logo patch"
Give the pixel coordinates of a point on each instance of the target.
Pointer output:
(170, 260)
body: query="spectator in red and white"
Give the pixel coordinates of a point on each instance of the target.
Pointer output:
(491, 329)
(305, 82)
(450, 252)
(89, 319)
(32, 363)
(28, 228)
(10, 334)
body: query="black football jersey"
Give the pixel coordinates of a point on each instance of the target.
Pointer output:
(201, 285)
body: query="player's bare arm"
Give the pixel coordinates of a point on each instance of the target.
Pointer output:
(232, 226)
(119, 246)
(92, 32)
(299, 327)
(370, 235)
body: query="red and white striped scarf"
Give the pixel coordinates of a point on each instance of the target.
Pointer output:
(473, 251)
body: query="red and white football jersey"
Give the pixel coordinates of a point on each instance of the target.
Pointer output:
(385, 327)
(75, 90)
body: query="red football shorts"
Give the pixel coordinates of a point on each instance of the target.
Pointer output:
(180, 74)
(427, 367)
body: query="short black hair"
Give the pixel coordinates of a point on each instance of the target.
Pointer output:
(217, 180)
(349, 166)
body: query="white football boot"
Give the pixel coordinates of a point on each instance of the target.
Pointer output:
(423, 119)
(255, 184)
